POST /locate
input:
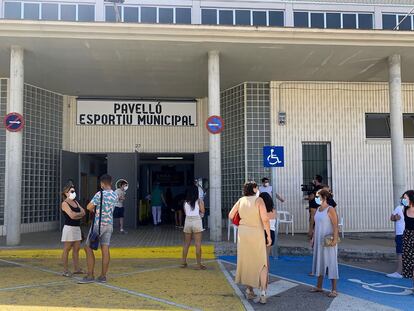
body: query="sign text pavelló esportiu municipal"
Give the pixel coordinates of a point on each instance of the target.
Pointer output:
(130, 112)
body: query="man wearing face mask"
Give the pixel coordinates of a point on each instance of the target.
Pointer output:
(122, 187)
(266, 187)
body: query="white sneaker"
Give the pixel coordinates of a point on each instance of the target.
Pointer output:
(395, 275)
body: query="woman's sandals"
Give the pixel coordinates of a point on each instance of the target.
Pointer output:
(250, 295)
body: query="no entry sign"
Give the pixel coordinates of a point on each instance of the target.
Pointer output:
(215, 124)
(13, 122)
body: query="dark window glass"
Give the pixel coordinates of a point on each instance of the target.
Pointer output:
(333, 20)
(183, 16)
(13, 10)
(408, 125)
(50, 11)
(316, 161)
(86, 13)
(276, 19)
(148, 15)
(243, 17)
(166, 16)
(209, 17)
(377, 125)
(110, 13)
(389, 21)
(131, 14)
(349, 21)
(68, 12)
(259, 18)
(365, 21)
(317, 20)
(226, 17)
(404, 24)
(301, 19)
(31, 11)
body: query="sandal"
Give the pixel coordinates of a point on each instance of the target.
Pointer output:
(333, 294)
(67, 274)
(79, 272)
(316, 290)
(250, 295)
(184, 265)
(201, 267)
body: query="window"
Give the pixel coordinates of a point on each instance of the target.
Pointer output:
(301, 19)
(50, 11)
(131, 14)
(389, 21)
(333, 20)
(317, 20)
(209, 17)
(259, 18)
(110, 15)
(243, 17)
(13, 10)
(226, 17)
(405, 22)
(276, 19)
(377, 125)
(166, 15)
(31, 11)
(86, 13)
(349, 21)
(365, 21)
(316, 160)
(183, 16)
(68, 12)
(148, 15)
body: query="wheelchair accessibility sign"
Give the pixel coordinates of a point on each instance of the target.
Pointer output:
(273, 156)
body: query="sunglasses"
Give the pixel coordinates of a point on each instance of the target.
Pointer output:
(72, 191)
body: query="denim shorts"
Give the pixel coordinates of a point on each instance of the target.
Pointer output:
(105, 236)
(399, 244)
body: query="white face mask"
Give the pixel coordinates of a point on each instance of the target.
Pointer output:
(267, 184)
(72, 196)
(125, 188)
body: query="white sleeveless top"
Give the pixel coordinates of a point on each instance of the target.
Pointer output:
(192, 213)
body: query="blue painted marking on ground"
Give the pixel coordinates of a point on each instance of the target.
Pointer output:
(298, 268)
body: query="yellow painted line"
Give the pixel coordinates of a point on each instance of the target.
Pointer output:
(50, 308)
(173, 252)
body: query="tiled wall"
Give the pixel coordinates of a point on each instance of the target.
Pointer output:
(3, 105)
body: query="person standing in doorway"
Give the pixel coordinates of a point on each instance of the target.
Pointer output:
(178, 209)
(325, 249)
(71, 233)
(157, 199)
(397, 217)
(267, 188)
(408, 237)
(193, 226)
(103, 205)
(119, 212)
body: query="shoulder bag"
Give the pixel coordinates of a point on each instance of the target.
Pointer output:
(93, 236)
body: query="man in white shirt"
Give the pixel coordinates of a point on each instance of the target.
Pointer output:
(397, 217)
(266, 187)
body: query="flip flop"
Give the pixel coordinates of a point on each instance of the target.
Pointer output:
(201, 267)
(333, 294)
(316, 290)
(79, 272)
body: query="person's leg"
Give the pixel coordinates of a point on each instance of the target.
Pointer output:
(186, 246)
(159, 214)
(180, 218)
(105, 259)
(399, 263)
(90, 260)
(333, 292)
(154, 214)
(320, 282)
(176, 218)
(197, 241)
(264, 277)
(65, 255)
(75, 256)
(121, 224)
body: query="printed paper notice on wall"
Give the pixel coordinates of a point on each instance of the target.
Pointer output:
(130, 112)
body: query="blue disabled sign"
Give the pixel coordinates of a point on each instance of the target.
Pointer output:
(273, 156)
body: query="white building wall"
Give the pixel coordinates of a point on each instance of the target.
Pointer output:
(147, 139)
(361, 168)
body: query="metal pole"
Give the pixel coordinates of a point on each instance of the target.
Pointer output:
(396, 125)
(214, 147)
(14, 150)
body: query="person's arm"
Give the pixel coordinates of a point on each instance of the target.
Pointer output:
(395, 216)
(281, 199)
(334, 220)
(73, 215)
(201, 206)
(163, 199)
(265, 219)
(82, 210)
(94, 202)
(234, 210)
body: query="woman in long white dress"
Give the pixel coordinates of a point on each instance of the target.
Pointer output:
(325, 255)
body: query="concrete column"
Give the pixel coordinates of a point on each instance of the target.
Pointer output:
(289, 19)
(14, 150)
(196, 12)
(396, 124)
(214, 147)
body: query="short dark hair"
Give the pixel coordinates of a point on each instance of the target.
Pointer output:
(248, 188)
(106, 179)
(264, 179)
(324, 194)
(318, 178)
(268, 201)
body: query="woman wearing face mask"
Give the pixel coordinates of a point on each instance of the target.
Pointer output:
(408, 236)
(252, 265)
(325, 256)
(122, 187)
(71, 233)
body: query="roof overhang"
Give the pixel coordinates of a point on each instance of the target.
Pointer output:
(108, 59)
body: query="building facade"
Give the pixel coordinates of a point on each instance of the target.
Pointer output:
(316, 78)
